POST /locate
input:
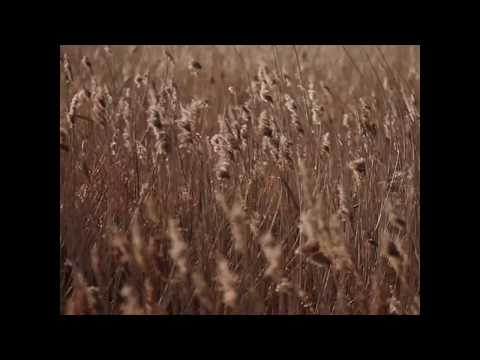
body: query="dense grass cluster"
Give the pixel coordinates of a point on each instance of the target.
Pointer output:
(239, 180)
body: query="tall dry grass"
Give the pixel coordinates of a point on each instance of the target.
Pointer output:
(239, 180)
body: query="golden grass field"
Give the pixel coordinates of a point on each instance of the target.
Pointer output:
(240, 180)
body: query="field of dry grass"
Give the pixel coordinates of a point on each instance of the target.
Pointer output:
(240, 180)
